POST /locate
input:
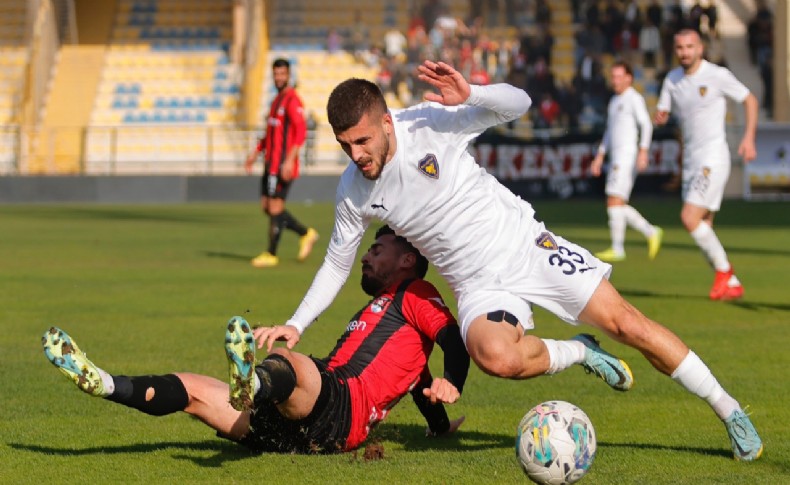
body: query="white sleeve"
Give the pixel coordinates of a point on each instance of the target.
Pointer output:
(732, 87)
(665, 98)
(500, 103)
(340, 255)
(644, 122)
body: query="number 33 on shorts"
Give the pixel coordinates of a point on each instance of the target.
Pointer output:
(567, 257)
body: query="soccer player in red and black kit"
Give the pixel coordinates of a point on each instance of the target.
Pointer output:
(285, 134)
(295, 403)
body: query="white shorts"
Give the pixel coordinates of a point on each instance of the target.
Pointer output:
(621, 176)
(561, 278)
(703, 186)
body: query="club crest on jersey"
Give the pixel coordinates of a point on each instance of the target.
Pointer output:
(429, 166)
(380, 304)
(703, 90)
(706, 172)
(546, 241)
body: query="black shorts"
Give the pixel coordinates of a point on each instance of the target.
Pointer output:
(324, 430)
(274, 187)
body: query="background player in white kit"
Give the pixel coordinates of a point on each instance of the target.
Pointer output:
(696, 91)
(411, 169)
(627, 140)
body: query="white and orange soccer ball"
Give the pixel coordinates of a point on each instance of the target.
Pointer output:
(555, 444)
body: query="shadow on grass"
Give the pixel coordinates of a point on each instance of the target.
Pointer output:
(652, 446)
(226, 451)
(412, 437)
(754, 306)
(230, 256)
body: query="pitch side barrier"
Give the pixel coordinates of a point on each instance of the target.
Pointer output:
(558, 166)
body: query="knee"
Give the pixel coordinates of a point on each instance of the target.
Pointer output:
(498, 358)
(630, 326)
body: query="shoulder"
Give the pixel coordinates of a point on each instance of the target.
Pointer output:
(674, 76)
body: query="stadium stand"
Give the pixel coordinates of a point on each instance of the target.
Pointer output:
(13, 61)
(167, 90)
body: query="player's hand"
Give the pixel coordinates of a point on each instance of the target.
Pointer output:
(661, 117)
(747, 150)
(283, 333)
(454, 425)
(441, 390)
(597, 163)
(642, 160)
(287, 170)
(453, 88)
(248, 164)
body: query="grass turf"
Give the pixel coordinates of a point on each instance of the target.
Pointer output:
(147, 290)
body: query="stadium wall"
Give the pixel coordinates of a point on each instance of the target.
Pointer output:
(166, 189)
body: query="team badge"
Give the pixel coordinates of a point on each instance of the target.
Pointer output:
(429, 166)
(546, 241)
(380, 304)
(703, 90)
(706, 172)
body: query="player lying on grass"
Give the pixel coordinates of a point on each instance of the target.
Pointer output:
(291, 402)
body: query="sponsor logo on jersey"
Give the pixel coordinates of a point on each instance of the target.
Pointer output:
(429, 166)
(356, 325)
(703, 90)
(546, 241)
(380, 304)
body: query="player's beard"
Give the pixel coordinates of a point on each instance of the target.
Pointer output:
(382, 159)
(373, 283)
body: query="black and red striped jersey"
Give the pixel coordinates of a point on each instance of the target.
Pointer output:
(385, 348)
(285, 128)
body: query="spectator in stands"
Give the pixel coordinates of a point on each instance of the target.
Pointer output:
(649, 43)
(654, 14)
(548, 113)
(360, 38)
(285, 134)
(570, 103)
(712, 14)
(334, 41)
(542, 13)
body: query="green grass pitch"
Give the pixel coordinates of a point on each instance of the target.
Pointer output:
(147, 289)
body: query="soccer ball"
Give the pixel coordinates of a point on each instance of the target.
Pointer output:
(555, 444)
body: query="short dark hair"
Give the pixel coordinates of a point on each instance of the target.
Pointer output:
(625, 66)
(421, 266)
(280, 62)
(352, 99)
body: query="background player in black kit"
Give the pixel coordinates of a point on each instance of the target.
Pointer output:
(295, 403)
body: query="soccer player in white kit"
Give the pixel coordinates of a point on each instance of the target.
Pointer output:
(627, 140)
(411, 169)
(696, 91)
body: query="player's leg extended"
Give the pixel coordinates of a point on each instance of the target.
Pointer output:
(608, 311)
(288, 379)
(208, 401)
(201, 396)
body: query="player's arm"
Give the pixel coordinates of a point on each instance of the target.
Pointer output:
(254, 155)
(645, 132)
(500, 103)
(664, 105)
(747, 149)
(297, 135)
(435, 414)
(597, 163)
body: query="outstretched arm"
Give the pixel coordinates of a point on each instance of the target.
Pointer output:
(747, 147)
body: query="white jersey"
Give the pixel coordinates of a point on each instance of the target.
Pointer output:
(433, 193)
(628, 123)
(699, 103)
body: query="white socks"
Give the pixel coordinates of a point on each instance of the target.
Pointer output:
(617, 227)
(563, 354)
(697, 378)
(621, 216)
(634, 219)
(107, 381)
(707, 241)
